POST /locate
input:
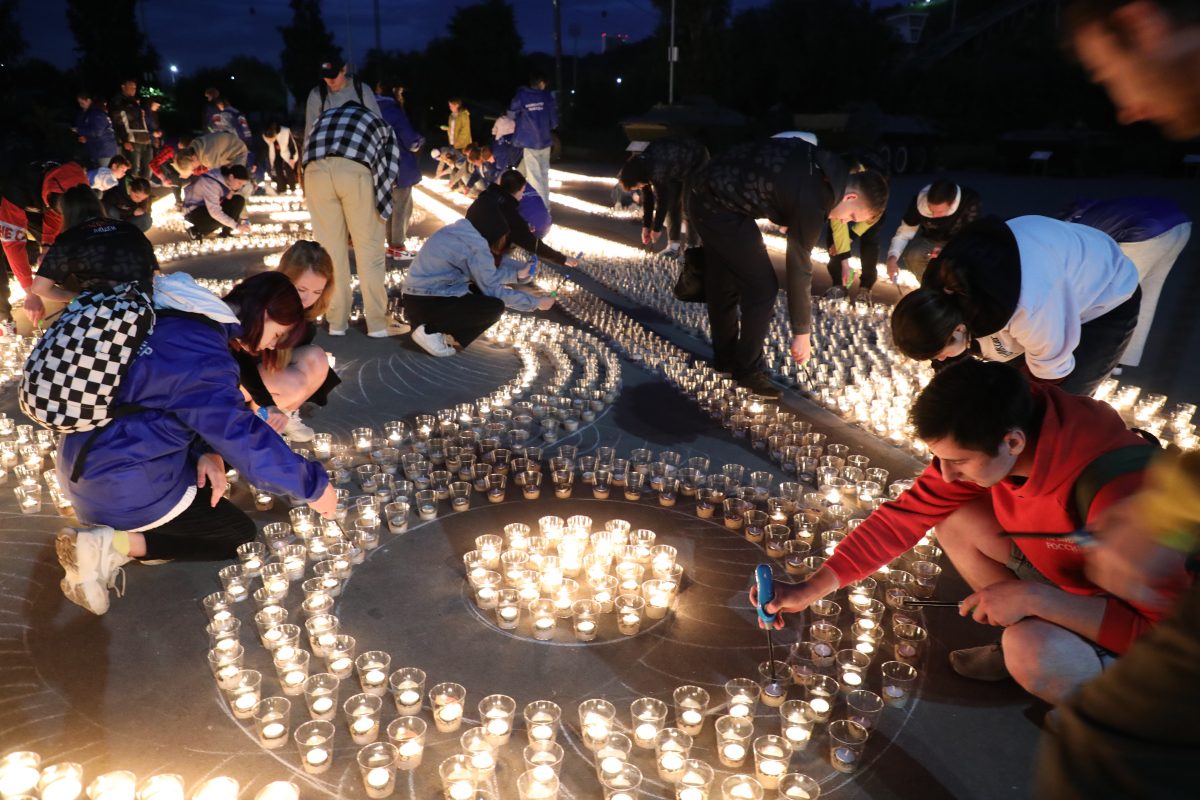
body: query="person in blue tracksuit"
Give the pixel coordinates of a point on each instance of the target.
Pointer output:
(390, 97)
(535, 114)
(151, 482)
(95, 131)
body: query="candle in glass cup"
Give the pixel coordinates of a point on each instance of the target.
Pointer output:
(541, 721)
(226, 663)
(496, 712)
(695, 781)
(596, 719)
(377, 764)
(321, 695)
(898, 682)
(496, 484)
(407, 685)
(362, 717)
(408, 735)
(671, 749)
(691, 704)
(796, 724)
(586, 622)
(272, 718)
(733, 739)
(244, 692)
(61, 781)
(543, 757)
(508, 609)
(612, 753)
(771, 756)
(372, 667)
(447, 701)
(292, 665)
(742, 696)
(544, 618)
(19, 773)
(822, 690)
(847, 741)
(629, 609)
(622, 784)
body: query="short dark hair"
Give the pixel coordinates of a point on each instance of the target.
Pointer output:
(139, 185)
(536, 76)
(79, 204)
(942, 191)
(119, 161)
(976, 403)
(872, 186)
(634, 172)
(272, 295)
(271, 129)
(511, 180)
(923, 321)
(238, 171)
(454, 99)
(85, 95)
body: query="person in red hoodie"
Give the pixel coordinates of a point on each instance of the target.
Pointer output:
(1006, 458)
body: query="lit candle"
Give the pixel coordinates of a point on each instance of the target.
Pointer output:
(411, 749)
(797, 734)
(316, 756)
(273, 730)
(378, 778)
(322, 705)
(451, 712)
(732, 753)
(497, 727)
(462, 790)
(819, 705)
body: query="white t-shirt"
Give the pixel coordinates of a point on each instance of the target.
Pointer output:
(1070, 274)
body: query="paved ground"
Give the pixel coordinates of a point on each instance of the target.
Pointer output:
(131, 689)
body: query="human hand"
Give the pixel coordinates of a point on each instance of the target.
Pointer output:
(646, 236)
(35, 309)
(243, 227)
(801, 347)
(326, 504)
(545, 304)
(127, 146)
(571, 262)
(1003, 603)
(210, 471)
(655, 236)
(893, 268)
(1128, 562)
(276, 419)
(792, 598)
(83, 140)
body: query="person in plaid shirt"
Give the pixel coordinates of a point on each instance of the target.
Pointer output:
(351, 160)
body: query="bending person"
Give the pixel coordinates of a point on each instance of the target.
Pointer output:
(284, 380)
(151, 483)
(456, 287)
(213, 201)
(508, 196)
(937, 214)
(1063, 296)
(662, 172)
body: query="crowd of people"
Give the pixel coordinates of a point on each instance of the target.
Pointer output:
(1023, 318)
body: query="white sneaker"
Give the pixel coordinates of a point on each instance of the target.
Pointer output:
(394, 328)
(433, 343)
(336, 331)
(296, 430)
(92, 566)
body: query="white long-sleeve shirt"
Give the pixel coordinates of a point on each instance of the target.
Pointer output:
(1070, 274)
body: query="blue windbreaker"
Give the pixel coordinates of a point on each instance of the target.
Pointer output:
(410, 141)
(536, 115)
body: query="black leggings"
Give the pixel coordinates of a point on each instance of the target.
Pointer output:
(203, 222)
(201, 532)
(1101, 344)
(464, 318)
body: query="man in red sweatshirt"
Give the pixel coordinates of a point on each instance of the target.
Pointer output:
(1007, 456)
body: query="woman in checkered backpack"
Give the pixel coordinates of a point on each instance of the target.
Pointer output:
(151, 482)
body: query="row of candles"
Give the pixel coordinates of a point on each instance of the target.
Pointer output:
(25, 452)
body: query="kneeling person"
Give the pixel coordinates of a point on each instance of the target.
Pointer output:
(1007, 458)
(457, 286)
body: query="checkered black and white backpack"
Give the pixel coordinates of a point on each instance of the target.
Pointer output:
(74, 370)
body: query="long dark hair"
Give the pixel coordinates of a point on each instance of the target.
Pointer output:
(79, 204)
(262, 296)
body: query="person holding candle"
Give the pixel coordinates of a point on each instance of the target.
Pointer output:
(151, 482)
(1060, 300)
(1007, 458)
(457, 286)
(796, 185)
(283, 380)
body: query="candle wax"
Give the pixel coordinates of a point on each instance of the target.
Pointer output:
(739, 710)
(317, 756)
(771, 768)
(497, 727)
(585, 626)
(733, 751)
(378, 777)
(483, 760)
(273, 730)
(340, 664)
(245, 702)
(409, 697)
(411, 749)
(294, 678)
(16, 781)
(820, 705)
(65, 788)
(509, 613)
(691, 793)
(796, 793)
(611, 765)
(541, 732)
(362, 725)
(543, 623)
(893, 691)
(742, 792)
(671, 761)
(543, 774)
(645, 732)
(322, 705)
(852, 679)
(691, 717)
(461, 790)
(374, 676)
(450, 712)
(797, 733)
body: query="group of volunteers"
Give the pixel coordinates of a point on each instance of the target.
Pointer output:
(1023, 318)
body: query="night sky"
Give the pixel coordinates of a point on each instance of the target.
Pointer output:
(209, 33)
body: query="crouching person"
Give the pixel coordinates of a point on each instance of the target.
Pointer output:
(457, 286)
(151, 482)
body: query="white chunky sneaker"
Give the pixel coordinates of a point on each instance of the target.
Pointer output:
(296, 430)
(433, 343)
(92, 566)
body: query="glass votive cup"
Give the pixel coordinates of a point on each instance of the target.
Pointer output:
(671, 749)
(532, 785)
(541, 721)
(446, 700)
(796, 724)
(244, 692)
(544, 618)
(635, 486)
(294, 557)
(19, 773)
(531, 485)
(629, 609)
(460, 495)
(925, 577)
(114, 785)
(235, 583)
(377, 764)
(362, 713)
(648, 716)
(61, 780)
(315, 740)
(29, 499)
(899, 680)
(741, 787)
(691, 704)
(851, 668)
(508, 609)
(251, 556)
(795, 551)
(696, 780)
(864, 707)
(372, 667)
(564, 480)
(496, 714)
(604, 592)
(487, 586)
(741, 695)
(798, 786)
(339, 660)
(226, 663)
(596, 719)
(322, 631)
(217, 607)
(272, 718)
(774, 678)
(483, 754)
(282, 635)
(426, 501)
(397, 516)
(658, 595)
(623, 784)
(586, 615)
(408, 735)
(822, 690)
(755, 525)
(321, 695)
(847, 740)
(496, 485)
(292, 665)
(459, 778)
(771, 756)
(910, 642)
(733, 739)
(407, 686)
(733, 508)
(543, 757)
(612, 753)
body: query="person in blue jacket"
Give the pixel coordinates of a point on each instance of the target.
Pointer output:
(95, 131)
(1151, 232)
(390, 97)
(151, 483)
(535, 115)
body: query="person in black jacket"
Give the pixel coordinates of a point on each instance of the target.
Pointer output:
(132, 128)
(795, 185)
(935, 215)
(505, 194)
(662, 172)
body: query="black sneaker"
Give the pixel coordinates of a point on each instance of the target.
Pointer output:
(194, 234)
(758, 383)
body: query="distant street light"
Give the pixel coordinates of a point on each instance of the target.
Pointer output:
(174, 72)
(618, 80)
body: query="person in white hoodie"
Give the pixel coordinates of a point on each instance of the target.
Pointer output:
(1059, 299)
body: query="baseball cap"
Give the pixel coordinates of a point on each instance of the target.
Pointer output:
(331, 66)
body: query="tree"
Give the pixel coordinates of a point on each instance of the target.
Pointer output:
(305, 42)
(12, 43)
(110, 44)
(480, 58)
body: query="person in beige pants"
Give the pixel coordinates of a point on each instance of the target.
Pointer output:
(340, 196)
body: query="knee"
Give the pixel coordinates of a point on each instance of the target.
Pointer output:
(492, 307)
(1038, 658)
(313, 361)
